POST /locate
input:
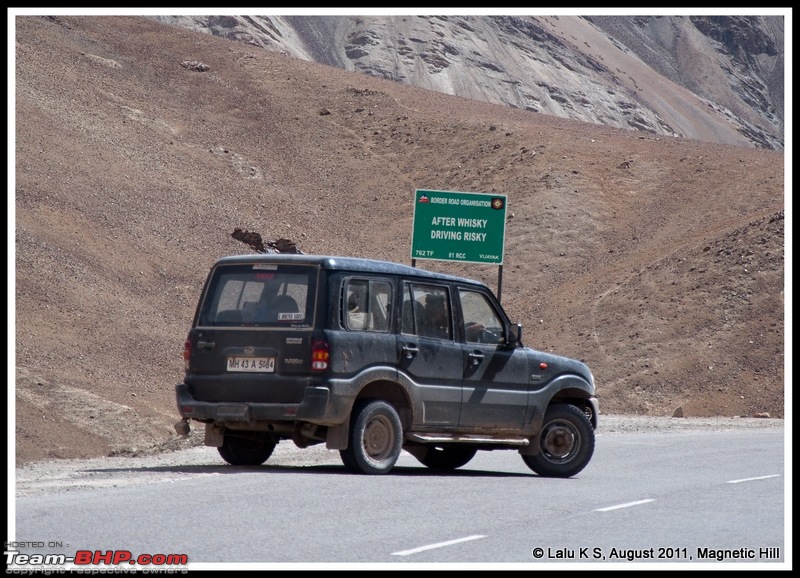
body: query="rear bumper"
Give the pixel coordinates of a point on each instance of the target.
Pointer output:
(316, 407)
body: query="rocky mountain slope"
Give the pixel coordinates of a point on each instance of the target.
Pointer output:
(713, 78)
(140, 147)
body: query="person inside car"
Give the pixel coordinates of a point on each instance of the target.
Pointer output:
(356, 316)
(437, 318)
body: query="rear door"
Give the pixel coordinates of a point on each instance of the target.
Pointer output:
(496, 377)
(428, 352)
(362, 339)
(251, 339)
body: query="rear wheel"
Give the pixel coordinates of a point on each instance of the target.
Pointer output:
(376, 438)
(448, 458)
(246, 450)
(566, 443)
(348, 461)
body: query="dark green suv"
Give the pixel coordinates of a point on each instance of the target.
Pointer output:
(372, 358)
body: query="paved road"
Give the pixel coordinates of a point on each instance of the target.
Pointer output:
(692, 495)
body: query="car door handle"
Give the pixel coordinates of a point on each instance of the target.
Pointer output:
(476, 358)
(410, 351)
(205, 344)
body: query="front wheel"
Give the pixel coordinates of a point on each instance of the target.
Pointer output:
(566, 443)
(376, 438)
(243, 450)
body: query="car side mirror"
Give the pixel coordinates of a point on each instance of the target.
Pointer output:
(515, 339)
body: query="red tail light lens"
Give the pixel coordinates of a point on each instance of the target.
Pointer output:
(320, 355)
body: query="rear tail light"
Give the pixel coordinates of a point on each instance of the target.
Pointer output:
(320, 355)
(187, 353)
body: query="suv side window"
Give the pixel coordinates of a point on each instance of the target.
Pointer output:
(427, 311)
(482, 324)
(367, 305)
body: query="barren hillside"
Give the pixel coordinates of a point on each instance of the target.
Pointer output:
(141, 146)
(716, 78)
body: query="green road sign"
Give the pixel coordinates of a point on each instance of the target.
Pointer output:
(450, 226)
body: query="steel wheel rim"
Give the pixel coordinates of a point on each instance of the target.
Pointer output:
(379, 438)
(559, 441)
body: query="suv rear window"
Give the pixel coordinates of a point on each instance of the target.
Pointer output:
(260, 295)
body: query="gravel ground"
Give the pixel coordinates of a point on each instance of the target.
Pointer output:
(132, 171)
(54, 476)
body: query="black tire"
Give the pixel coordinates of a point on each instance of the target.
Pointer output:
(375, 440)
(566, 443)
(448, 458)
(243, 450)
(348, 461)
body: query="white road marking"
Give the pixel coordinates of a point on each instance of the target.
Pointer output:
(752, 479)
(434, 546)
(628, 505)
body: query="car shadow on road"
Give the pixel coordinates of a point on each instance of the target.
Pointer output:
(324, 469)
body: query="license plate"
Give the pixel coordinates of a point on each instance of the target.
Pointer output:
(252, 364)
